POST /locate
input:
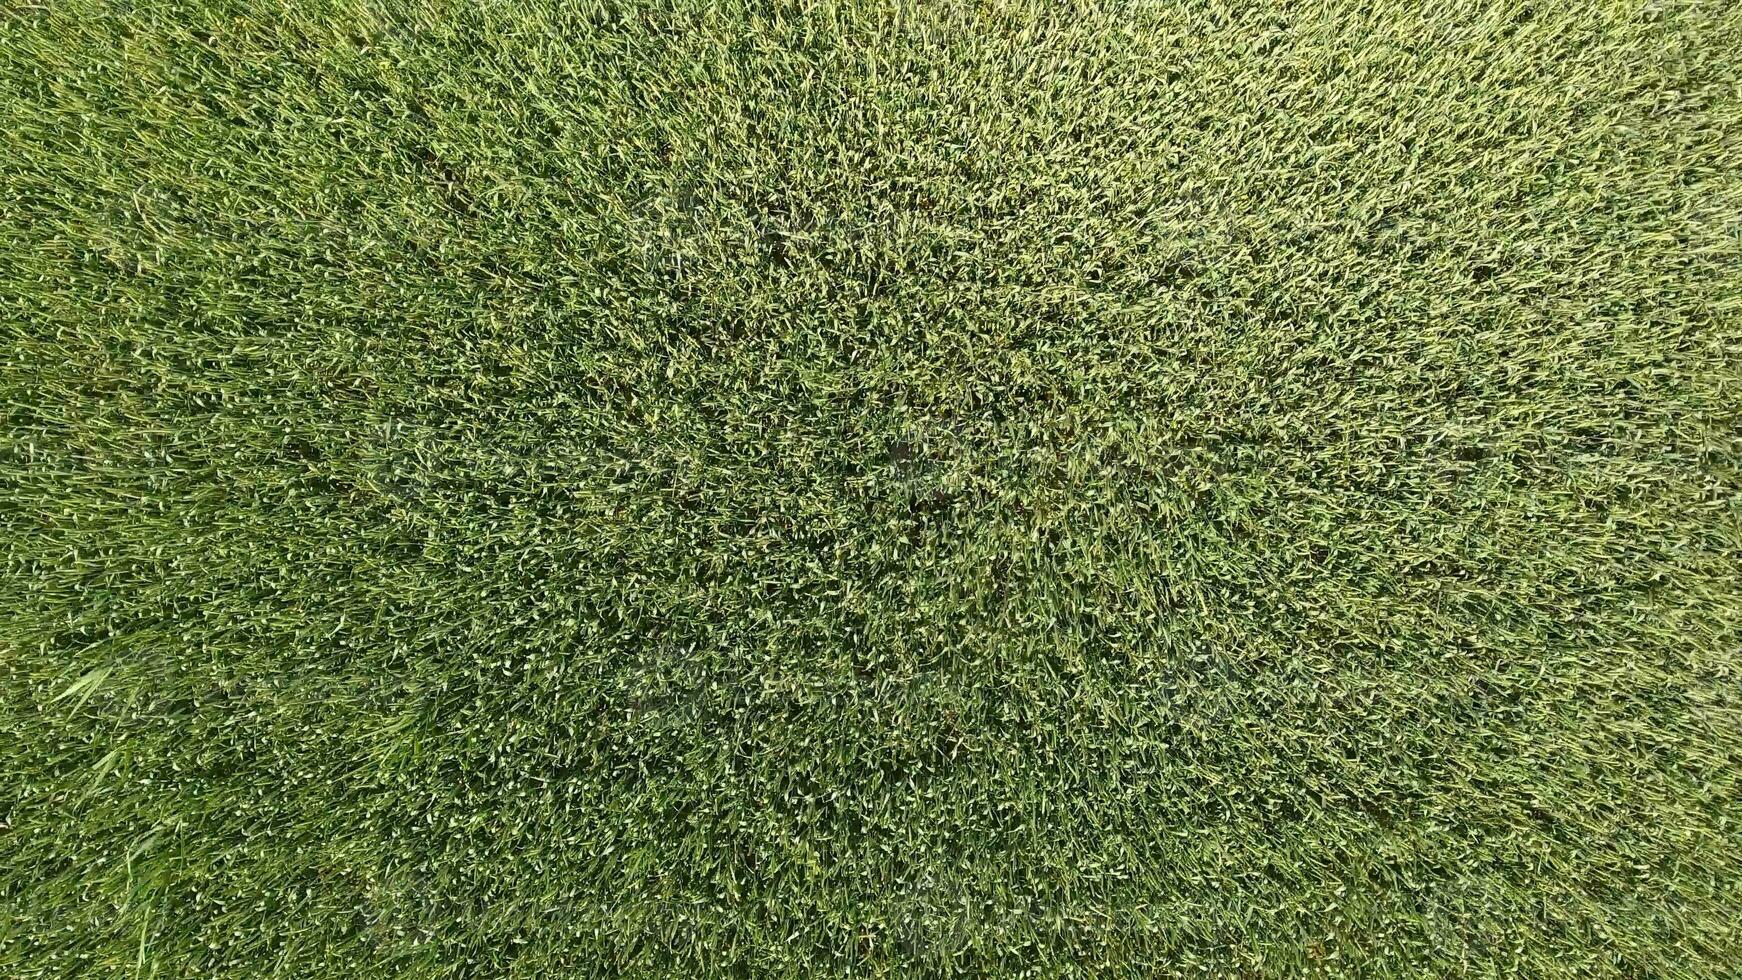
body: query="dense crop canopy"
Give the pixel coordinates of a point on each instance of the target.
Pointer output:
(552, 488)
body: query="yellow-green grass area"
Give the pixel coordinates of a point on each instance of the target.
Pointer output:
(566, 489)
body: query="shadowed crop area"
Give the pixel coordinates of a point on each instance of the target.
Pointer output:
(563, 489)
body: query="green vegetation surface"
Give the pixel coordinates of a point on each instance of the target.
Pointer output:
(554, 488)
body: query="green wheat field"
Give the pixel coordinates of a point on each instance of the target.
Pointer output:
(806, 489)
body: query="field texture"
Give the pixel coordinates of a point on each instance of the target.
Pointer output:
(552, 488)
